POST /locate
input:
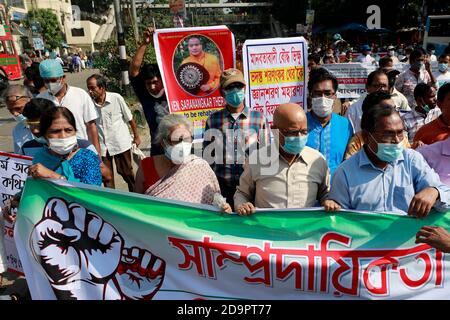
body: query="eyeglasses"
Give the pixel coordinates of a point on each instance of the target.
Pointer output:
(391, 136)
(15, 98)
(378, 87)
(188, 139)
(33, 124)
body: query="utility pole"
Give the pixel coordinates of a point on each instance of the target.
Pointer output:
(122, 48)
(135, 20)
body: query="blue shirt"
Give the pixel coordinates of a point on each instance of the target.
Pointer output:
(21, 134)
(359, 185)
(331, 141)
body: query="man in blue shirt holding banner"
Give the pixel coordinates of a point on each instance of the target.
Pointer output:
(385, 177)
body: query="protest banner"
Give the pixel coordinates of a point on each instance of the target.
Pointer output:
(13, 173)
(274, 70)
(84, 242)
(352, 77)
(191, 61)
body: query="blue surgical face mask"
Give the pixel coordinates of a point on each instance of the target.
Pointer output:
(295, 145)
(235, 97)
(20, 118)
(443, 67)
(389, 152)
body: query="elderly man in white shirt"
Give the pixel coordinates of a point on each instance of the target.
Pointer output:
(296, 177)
(114, 135)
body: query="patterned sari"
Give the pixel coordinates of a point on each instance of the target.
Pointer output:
(193, 181)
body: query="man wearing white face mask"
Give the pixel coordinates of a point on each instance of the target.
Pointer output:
(391, 54)
(75, 99)
(329, 133)
(16, 97)
(238, 126)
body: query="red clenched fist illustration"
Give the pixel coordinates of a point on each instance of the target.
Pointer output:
(82, 256)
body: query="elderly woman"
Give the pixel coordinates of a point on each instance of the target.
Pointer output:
(62, 158)
(177, 175)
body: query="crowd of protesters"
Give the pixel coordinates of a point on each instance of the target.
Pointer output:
(388, 151)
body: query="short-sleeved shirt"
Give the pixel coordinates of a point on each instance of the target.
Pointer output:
(154, 110)
(80, 104)
(441, 78)
(406, 83)
(112, 124)
(436, 130)
(21, 134)
(330, 140)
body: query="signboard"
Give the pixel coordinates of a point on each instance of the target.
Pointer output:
(191, 61)
(275, 72)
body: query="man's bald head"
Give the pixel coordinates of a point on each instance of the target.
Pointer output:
(287, 115)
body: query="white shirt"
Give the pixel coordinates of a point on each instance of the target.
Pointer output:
(80, 104)
(400, 101)
(21, 134)
(354, 113)
(112, 123)
(365, 59)
(441, 78)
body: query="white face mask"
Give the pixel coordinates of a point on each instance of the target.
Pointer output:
(392, 53)
(63, 146)
(159, 95)
(54, 88)
(178, 153)
(322, 106)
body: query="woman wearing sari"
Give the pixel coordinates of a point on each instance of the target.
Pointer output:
(178, 175)
(63, 159)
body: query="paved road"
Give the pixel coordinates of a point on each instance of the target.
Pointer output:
(7, 123)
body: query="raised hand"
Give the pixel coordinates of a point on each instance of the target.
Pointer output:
(140, 274)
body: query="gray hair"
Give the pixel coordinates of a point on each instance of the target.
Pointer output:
(17, 88)
(170, 121)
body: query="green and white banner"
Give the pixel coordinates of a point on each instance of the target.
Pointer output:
(79, 242)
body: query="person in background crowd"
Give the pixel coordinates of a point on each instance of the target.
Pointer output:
(385, 177)
(438, 157)
(114, 135)
(425, 111)
(400, 100)
(235, 122)
(36, 84)
(148, 87)
(431, 53)
(313, 62)
(443, 74)
(63, 159)
(76, 62)
(373, 100)
(386, 63)
(75, 99)
(328, 132)
(329, 60)
(392, 55)
(178, 175)
(438, 129)
(419, 72)
(209, 61)
(376, 81)
(365, 57)
(16, 97)
(302, 176)
(58, 58)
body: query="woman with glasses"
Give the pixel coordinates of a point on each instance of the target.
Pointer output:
(177, 175)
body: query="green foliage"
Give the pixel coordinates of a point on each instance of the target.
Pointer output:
(51, 30)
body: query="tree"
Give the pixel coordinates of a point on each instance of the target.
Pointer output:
(51, 30)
